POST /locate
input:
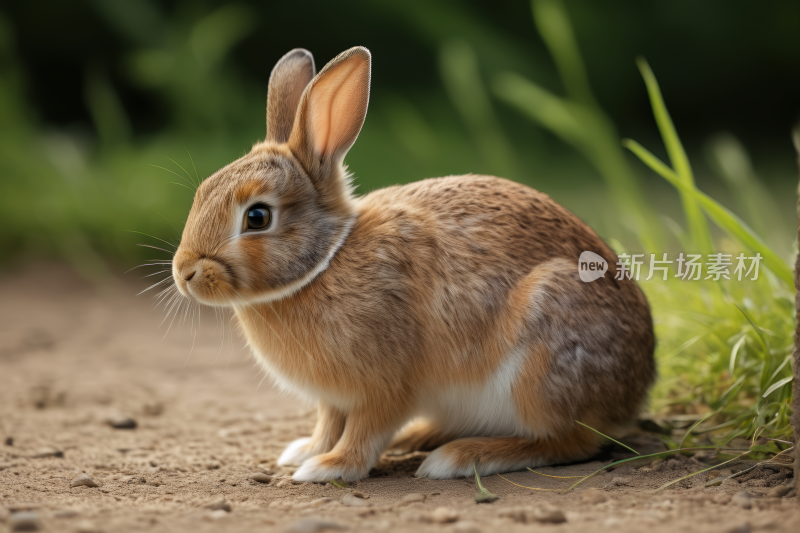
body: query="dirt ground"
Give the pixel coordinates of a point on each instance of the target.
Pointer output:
(73, 358)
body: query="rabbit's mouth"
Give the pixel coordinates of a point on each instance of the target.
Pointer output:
(208, 281)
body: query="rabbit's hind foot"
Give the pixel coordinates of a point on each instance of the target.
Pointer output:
(493, 455)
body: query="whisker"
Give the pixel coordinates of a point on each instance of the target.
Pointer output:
(194, 167)
(222, 345)
(155, 285)
(170, 223)
(180, 167)
(170, 305)
(149, 264)
(155, 248)
(262, 381)
(181, 177)
(151, 236)
(180, 301)
(163, 294)
(155, 274)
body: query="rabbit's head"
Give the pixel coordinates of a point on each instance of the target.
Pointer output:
(265, 225)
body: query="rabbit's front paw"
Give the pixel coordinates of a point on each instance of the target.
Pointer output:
(330, 466)
(296, 453)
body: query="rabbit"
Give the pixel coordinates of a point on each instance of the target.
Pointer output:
(446, 315)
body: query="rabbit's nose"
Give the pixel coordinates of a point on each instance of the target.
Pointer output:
(187, 273)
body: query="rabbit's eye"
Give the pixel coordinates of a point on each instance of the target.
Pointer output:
(258, 217)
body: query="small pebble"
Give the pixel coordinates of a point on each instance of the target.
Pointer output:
(466, 527)
(742, 499)
(313, 525)
(65, 513)
(261, 478)
(319, 502)
(47, 452)
(351, 500)
(25, 521)
(219, 505)
(9, 441)
(216, 514)
(621, 481)
(82, 481)
(359, 494)
(443, 515)
(411, 498)
(122, 422)
(593, 496)
(548, 515)
(779, 492)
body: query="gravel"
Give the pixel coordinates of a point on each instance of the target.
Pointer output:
(219, 505)
(25, 521)
(414, 497)
(261, 478)
(122, 422)
(443, 515)
(351, 500)
(779, 492)
(82, 481)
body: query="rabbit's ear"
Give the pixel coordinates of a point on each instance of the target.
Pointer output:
(331, 112)
(289, 78)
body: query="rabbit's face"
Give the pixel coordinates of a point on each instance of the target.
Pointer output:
(258, 230)
(266, 225)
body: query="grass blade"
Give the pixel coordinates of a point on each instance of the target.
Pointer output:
(609, 438)
(734, 353)
(776, 386)
(698, 226)
(721, 216)
(483, 496)
(691, 428)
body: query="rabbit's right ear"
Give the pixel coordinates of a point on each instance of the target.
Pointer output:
(331, 113)
(287, 82)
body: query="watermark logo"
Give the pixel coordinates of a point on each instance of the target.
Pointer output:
(688, 268)
(591, 266)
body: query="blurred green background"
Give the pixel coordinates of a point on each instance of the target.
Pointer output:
(94, 93)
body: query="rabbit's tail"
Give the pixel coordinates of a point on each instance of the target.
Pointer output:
(492, 455)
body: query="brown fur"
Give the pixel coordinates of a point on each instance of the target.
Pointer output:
(431, 289)
(420, 436)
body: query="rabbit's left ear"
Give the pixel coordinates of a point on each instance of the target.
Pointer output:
(289, 78)
(331, 112)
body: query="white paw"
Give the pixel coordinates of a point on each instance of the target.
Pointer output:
(441, 465)
(314, 470)
(295, 453)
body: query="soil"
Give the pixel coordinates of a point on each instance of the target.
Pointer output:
(75, 358)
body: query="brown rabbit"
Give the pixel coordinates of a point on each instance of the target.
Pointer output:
(449, 310)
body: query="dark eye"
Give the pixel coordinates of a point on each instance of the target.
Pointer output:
(258, 217)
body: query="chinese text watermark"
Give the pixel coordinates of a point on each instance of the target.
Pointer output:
(688, 267)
